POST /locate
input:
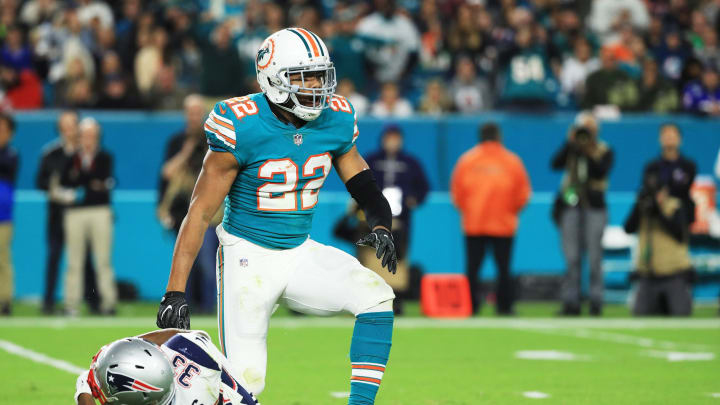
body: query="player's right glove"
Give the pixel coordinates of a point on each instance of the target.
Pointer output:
(382, 241)
(174, 311)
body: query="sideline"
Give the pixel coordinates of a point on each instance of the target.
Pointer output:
(63, 365)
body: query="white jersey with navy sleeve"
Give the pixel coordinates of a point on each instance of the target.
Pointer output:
(201, 372)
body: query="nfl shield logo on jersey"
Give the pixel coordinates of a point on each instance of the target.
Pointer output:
(298, 139)
(243, 262)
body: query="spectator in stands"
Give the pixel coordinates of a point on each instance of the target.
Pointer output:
(580, 210)
(490, 186)
(607, 15)
(16, 53)
(184, 156)
(36, 12)
(393, 42)
(435, 100)
(403, 181)
(115, 89)
(610, 85)
(87, 180)
(390, 104)
(469, 93)
(22, 88)
(576, 68)
(360, 103)
(465, 36)
(672, 55)
(709, 55)
(149, 60)
(703, 97)
(661, 217)
(222, 71)
(347, 47)
(657, 95)
(8, 173)
(528, 80)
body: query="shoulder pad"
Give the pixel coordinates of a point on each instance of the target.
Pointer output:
(344, 111)
(227, 117)
(187, 345)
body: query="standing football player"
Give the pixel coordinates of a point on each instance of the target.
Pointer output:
(269, 155)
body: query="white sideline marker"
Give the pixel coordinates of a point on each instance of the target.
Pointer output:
(549, 355)
(535, 395)
(715, 394)
(681, 356)
(340, 394)
(63, 365)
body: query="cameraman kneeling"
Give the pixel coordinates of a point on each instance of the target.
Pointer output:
(663, 267)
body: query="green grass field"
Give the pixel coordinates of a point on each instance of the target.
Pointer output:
(612, 360)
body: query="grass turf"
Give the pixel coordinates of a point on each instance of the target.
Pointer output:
(431, 363)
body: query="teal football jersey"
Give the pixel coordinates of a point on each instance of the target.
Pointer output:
(282, 168)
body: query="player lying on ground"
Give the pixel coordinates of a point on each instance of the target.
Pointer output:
(269, 154)
(166, 367)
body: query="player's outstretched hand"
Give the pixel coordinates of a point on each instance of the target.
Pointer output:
(174, 311)
(382, 241)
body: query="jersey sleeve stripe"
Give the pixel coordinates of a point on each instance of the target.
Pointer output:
(222, 122)
(221, 129)
(223, 119)
(228, 141)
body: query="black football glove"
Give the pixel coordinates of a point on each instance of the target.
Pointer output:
(174, 311)
(382, 241)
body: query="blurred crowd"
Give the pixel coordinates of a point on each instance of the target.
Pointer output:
(393, 57)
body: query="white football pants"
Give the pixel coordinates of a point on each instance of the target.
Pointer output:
(312, 278)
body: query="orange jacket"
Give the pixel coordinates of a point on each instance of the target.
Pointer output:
(490, 186)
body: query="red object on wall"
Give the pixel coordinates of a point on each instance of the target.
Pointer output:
(445, 296)
(703, 193)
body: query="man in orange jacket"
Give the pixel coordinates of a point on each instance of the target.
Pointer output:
(490, 186)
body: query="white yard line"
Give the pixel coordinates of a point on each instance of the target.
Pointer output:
(550, 324)
(619, 338)
(63, 365)
(535, 395)
(340, 394)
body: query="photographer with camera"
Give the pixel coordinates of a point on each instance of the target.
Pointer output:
(661, 217)
(580, 210)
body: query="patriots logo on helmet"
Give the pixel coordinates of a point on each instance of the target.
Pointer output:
(265, 54)
(122, 383)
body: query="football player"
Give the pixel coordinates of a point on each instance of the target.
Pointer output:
(166, 367)
(269, 155)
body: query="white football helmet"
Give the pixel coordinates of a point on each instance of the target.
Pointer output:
(290, 51)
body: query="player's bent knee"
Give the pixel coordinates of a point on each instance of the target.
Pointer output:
(384, 306)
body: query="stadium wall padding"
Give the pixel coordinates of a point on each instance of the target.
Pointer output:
(143, 249)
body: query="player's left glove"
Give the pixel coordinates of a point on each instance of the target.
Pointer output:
(382, 241)
(174, 311)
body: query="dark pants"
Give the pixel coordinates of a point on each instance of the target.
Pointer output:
(56, 243)
(502, 250)
(663, 296)
(582, 231)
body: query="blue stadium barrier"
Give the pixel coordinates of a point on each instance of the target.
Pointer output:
(143, 249)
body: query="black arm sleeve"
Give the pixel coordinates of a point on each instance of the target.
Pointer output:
(364, 189)
(675, 224)
(632, 223)
(599, 169)
(560, 157)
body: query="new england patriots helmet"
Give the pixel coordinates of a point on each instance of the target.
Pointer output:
(133, 371)
(290, 51)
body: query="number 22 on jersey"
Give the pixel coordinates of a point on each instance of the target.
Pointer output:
(287, 200)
